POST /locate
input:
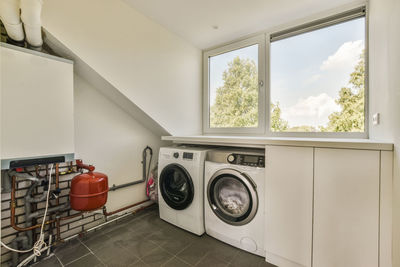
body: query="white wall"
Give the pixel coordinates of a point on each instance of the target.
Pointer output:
(109, 138)
(154, 68)
(384, 56)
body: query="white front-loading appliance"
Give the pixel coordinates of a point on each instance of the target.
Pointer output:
(234, 197)
(180, 187)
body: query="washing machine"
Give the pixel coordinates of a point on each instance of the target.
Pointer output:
(234, 198)
(181, 187)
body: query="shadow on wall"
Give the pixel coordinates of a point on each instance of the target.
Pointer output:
(108, 137)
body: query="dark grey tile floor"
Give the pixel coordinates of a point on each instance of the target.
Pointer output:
(144, 239)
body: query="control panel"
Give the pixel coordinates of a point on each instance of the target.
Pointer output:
(185, 155)
(246, 160)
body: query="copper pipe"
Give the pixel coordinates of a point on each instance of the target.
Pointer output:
(37, 170)
(142, 208)
(13, 205)
(57, 182)
(121, 209)
(57, 203)
(58, 229)
(73, 216)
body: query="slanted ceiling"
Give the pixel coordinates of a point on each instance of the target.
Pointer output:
(139, 64)
(102, 85)
(195, 20)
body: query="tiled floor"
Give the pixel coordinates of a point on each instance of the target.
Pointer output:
(146, 240)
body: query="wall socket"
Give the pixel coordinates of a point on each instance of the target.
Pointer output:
(376, 119)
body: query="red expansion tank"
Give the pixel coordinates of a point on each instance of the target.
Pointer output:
(88, 190)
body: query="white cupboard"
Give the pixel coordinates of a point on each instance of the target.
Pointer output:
(289, 198)
(37, 116)
(346, 208)
(328, 207)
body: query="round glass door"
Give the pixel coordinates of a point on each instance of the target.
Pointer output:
(176, 186)
(232, 196)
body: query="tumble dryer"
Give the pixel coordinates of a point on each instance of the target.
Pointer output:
(234, 198)
(180, 187)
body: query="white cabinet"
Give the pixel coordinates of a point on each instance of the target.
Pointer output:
(346, 208)
(289, 200)
(328, 207)
(36, 105)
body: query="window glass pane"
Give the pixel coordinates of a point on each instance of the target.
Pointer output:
(233, 85)
(317, 80)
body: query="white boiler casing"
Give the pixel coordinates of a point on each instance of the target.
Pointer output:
(37, 118)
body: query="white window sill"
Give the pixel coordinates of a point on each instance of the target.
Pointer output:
(257, 141)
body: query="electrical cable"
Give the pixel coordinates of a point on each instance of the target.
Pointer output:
(39, 245)
(15, 250)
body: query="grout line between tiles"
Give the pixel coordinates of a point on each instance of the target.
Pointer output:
(149, 252)
(85, 246)
(198, 262)
(94, 254)
(62, 265)
(99, 259)
(231, 258)
(184, 261)
(188, 245)
(78, 258)
(143, 262)
(173, 257)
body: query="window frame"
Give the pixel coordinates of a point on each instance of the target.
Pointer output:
(313, 25)
(260, 129)
(264, 41)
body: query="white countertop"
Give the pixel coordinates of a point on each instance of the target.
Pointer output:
(260, 141)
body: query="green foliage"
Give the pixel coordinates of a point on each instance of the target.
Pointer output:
(351, 100)
(277, 123)
(3, 33)
(302, 128)
(236, 102)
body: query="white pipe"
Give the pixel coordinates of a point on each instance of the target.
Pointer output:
(9, 15)
(28, 259)
(30, 14)
(100, 225)
(108, 222)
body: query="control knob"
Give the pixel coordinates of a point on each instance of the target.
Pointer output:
(176, 155)
(231, 158)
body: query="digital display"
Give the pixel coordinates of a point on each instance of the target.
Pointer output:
(251, 159)
(187, 155)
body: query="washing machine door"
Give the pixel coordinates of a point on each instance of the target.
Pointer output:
(176, 186)
(232, 196)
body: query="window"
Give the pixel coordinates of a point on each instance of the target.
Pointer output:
(317, 79)
(234, 100)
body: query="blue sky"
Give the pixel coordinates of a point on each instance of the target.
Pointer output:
(307, 70)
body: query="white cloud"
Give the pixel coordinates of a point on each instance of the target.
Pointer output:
(312, 111)
(345, 57)
(314, 78)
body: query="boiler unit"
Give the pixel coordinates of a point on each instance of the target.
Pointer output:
(37, 103)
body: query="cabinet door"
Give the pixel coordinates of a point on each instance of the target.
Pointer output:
(288, 214)
(346, 208)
